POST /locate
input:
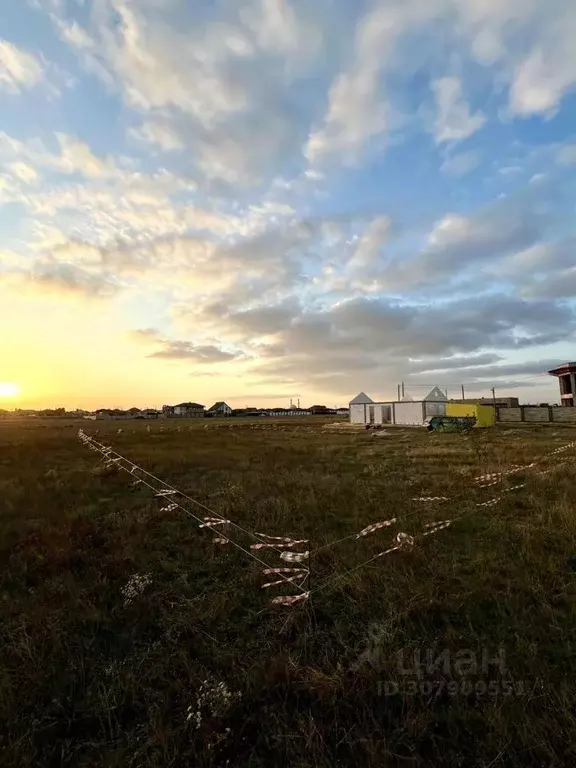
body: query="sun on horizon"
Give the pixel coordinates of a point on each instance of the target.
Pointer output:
(9, 389)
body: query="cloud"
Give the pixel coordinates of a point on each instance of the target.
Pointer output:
(161, 132)
(356, 110)
(77, 157)
(74, 156)
(543, 77)
(62, 279)
(459, 165)
(184, 350)
(73, 34)
(24, 172)
(367, 251)
(558, 285)
(544, 257)
(376, 340)
(220, 89)
(18, 69)
(454, 121)
(170, 349)
(566, 154)
(460, 362)
(457, 245)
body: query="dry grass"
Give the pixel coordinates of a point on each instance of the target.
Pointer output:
(88, 678)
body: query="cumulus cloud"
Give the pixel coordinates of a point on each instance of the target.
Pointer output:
(19, 69)
(548, 72)
(454, 120)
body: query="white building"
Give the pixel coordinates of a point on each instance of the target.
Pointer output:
(363, 410)
(220, 409)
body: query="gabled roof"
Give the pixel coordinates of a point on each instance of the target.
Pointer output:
(361, 399)
(436, 395)
(218, 405)
(189, 405)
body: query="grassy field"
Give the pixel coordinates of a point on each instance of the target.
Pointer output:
(89, 677)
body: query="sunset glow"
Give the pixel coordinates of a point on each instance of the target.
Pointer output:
(9, 389)
(270, 200)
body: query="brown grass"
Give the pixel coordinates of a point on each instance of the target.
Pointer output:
(88, 681)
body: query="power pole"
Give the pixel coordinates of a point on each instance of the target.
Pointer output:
(402, 389)
(398, 392)
(494, 396)
(463, 396)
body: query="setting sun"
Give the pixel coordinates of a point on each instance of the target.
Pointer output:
(9, 389)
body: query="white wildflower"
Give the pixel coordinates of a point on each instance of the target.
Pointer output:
(214, 700)
(135, 587)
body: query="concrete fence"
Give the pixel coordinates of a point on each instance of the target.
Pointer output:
(536, 415)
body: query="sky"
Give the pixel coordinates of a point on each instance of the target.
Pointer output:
(258, 200)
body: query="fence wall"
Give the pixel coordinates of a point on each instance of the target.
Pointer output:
(535, 415)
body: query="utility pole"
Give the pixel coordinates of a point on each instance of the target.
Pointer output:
(463, 396)
(494, 396)
(398, 392)
(402, 389)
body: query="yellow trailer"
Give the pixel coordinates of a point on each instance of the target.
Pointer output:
(485, 415)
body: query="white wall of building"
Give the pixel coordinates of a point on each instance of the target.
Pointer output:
(409, 413)
(357, 414)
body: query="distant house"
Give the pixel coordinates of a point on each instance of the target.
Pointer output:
(183, 411)
(111, 413)
(148, 413)
(219, 409)
(249, 412)
(342, 411)
(320, 410)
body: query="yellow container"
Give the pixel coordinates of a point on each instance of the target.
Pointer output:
(484, 414)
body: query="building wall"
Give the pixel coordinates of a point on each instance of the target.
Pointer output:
(409, 413)
(357, 414)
